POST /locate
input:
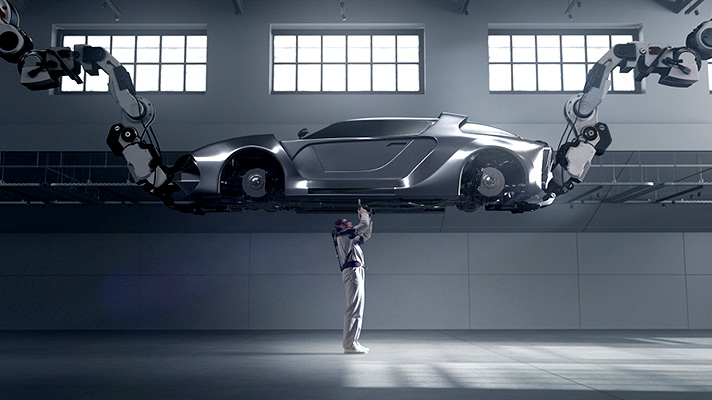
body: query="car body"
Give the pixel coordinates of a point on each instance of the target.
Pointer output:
(392, 164)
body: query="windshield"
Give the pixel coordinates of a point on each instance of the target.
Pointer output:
(373, 128)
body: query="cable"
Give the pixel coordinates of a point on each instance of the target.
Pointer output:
(155, 142)
(568, 128)
(151, 138)
(565, 139)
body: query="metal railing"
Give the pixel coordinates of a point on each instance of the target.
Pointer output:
(632, 177)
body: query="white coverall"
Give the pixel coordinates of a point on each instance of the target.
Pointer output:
(350, 250)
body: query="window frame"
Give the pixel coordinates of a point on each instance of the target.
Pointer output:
(635, 32)
(321, 32)
(61, 32)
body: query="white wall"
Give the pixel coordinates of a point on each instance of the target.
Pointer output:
(238, 102)
(414, 281)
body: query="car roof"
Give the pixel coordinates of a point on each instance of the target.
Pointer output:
(382, 127)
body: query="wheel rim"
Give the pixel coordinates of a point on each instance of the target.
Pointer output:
(254, 182)
(491, 183)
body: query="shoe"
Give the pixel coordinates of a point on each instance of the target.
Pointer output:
(362, 346)
(356, 350)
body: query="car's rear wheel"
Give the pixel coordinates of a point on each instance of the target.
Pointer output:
(489, 176)
(252, 176)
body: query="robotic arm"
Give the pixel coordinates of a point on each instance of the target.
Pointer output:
(13, 41)
(132, 137)
(677, 66)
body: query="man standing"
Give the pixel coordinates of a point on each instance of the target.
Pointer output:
(348, 240)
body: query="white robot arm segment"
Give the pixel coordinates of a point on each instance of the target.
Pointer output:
(13, 41)
(678, 67)
(700, 40)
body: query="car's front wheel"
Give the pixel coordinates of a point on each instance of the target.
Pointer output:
(492, 176)
(252, 176)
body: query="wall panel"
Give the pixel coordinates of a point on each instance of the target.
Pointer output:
(414, 281)
(193, 302)
(199, 253)
(296, 302)
(522, 253)
(85, 302)
(416, 302)
(699, 297)
(633, 302)
(697, 253)
(416, 253)
(15, 302)
(631, 253)
(293, 253)
(524, 302)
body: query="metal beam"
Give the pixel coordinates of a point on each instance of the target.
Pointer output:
(693, 7)
(9, 187)
(239, 7)
(586, 193)
(674, 5)
(684, 192)
(72, 194)
(633, 193)
(112, 6)
(572, 3)
(463, 7)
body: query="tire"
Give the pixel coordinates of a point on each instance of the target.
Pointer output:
(252, 175)
(489, 176)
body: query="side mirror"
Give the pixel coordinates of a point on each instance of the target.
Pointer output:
(303, 132)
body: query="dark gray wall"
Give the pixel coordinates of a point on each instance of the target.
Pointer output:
(414, 281)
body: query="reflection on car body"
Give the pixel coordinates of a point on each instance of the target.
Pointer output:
(394, 164)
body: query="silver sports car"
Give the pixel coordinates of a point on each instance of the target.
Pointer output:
(393, 164)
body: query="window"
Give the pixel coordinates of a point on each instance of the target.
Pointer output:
(548, 61)
(373, 128)
(157, 62)
(335, 61)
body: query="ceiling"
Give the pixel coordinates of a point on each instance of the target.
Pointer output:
(462, 7)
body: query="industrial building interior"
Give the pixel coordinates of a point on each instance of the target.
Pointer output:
(106, 293)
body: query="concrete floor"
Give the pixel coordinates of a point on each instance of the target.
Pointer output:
(153, 365)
